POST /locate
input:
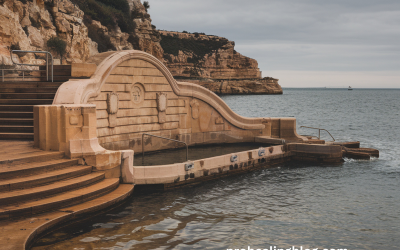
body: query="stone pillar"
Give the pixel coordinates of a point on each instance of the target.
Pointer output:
(72, 129)
(127, 166)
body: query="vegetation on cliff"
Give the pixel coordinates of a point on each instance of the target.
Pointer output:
(108, 12)
(92, 26)
(57, 45)
(173, 44)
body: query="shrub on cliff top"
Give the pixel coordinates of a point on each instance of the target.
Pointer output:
(108, 12)
(57, 45)
(121, 5)
(146, 5)
(200, 48)
(103, 41)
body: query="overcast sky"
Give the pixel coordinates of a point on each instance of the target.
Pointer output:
(304, 43)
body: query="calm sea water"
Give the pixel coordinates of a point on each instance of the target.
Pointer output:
(354, 206)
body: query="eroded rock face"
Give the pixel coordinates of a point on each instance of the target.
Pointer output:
(201, 56)
(113, 39)
(214, 60)
(28, 25)
(266, 85)
(11, 32)
(145, 37)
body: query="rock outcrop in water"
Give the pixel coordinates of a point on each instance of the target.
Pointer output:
(266, 85)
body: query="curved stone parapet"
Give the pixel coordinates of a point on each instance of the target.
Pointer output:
(209, 168)
(79, 91)
(134, 92)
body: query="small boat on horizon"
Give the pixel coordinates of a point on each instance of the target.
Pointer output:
(350, 88)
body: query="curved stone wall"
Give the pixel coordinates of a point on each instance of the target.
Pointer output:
(135, 93)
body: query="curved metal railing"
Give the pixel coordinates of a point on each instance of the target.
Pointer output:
(27, 64)
(187, 148)
(319, 131)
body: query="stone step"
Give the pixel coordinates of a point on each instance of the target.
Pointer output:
(57, 67)
(360, 153)
(31, 84)
(16, 129)
(352, 144)
(65, 199)
(41, 179)
(27, 95)
(32, 164)
(16, 121)
(17, 136)
(56, 78)
(23, 195)
(26, 101)
(43, 78)
(63, 72)
(42, 223)
(16, 108)
(11, 114)
(29, 90)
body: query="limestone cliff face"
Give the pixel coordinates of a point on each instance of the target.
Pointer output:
(215, 62)
(143, 36)
(201, 56)
(266, 85)
(146, 37)
(27, 25)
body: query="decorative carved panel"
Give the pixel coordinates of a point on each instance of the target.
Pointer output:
(162, 107)
(195, 108)
(112, 109)
(112, 103)
(161, 102)
(137, 93)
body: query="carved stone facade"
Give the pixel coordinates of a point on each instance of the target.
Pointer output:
(112, 108)
(151, 101)
(162, 107)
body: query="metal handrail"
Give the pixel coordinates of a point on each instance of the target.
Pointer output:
(26, 64)
(319, 131)
(187, 148)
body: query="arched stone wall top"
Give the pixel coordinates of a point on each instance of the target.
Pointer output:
(78, 91)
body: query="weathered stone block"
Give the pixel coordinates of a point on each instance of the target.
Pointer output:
(104, 161)
(127, 172)
(83, 69)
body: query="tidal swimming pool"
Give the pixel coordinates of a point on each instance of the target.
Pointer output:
(178, 155)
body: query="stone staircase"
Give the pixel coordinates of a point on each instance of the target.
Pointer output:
(39, 189)
(18, 97)
(42, 189)
(47, 181)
